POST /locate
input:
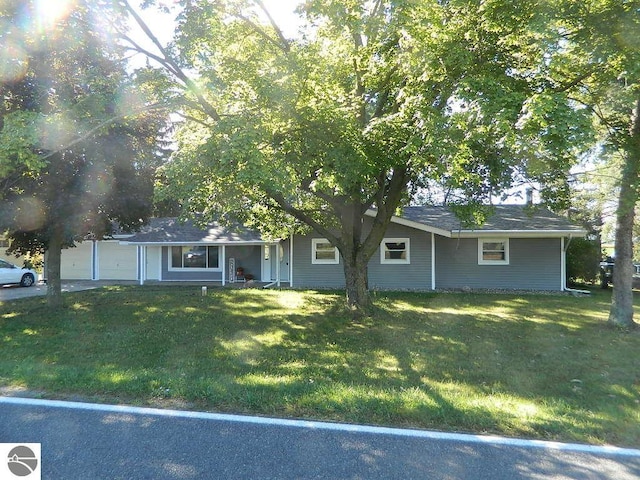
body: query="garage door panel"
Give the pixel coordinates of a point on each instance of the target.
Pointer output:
(117, 262)
(75, 262)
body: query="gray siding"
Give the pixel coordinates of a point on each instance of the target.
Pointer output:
(534, 264)
(413, 276)
(306, 274)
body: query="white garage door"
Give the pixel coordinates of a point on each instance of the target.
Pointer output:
(76, 262)
(117, 262)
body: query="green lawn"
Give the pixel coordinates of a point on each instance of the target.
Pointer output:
(529, 366)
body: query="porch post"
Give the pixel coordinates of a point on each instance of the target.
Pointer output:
(291, 261)
(278, 260)
(95, 262)
(433, 261)
(224, 264)
(142, 263)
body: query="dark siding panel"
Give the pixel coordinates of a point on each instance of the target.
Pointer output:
(248, 257)
(308, 275)
(534, 264)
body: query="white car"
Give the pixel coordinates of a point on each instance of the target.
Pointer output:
(10, 273)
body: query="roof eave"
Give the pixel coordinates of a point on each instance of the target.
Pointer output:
(519, 233)
(203, 242)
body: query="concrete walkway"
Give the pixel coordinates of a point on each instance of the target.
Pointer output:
(15, 292)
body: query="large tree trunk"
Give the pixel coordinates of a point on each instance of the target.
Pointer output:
(54, 255)
(356, 279)
(621, 312)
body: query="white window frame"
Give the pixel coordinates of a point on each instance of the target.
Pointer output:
(481, 250)
(395, 261)
(323, 261)
(181, 268)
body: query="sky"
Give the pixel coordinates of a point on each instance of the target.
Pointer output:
(281, 10)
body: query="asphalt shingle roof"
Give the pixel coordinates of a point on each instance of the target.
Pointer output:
(504, 218)
(172, 230)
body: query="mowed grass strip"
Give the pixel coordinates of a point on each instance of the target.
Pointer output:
(531, 366)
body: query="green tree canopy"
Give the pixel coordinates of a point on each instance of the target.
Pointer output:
(375, 100)
(599, 61)
(76, 157)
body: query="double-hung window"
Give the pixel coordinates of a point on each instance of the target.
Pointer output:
(195, 257)
(394, 250)
(493, 251)
(322, 252)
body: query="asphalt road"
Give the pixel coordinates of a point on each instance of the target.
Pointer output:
(88, 441)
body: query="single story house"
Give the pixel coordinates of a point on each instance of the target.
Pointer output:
(425, 248)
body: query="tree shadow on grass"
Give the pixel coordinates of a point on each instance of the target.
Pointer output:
(504, 364)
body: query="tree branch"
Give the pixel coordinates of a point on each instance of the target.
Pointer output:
(304, 217)
(285, 43)
(168, 62)
(101, 125)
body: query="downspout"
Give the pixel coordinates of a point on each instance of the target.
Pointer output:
(564, 248)
(224, 263)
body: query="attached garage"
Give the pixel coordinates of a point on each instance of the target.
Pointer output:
(76, 262)
(116, 261)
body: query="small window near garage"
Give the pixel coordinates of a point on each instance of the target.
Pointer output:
(4, 242)
(195, 257)
(493, 251)
(394, 250)
(322, 252)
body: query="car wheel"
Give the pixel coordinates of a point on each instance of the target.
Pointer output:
(27, 280)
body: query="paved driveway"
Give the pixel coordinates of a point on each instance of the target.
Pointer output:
(15, 292)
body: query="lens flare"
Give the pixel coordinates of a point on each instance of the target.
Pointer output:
(13, 62)
(30, 214)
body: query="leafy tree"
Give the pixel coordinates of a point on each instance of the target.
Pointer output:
(601, 52)
(583, 259)
(375, 100)
(75, 159)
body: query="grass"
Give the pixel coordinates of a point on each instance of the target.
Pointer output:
(534, 366)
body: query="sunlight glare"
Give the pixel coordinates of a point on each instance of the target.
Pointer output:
(49, 12)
